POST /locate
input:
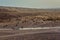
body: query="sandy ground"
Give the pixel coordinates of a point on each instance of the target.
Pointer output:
(13, 18)
(30, 34)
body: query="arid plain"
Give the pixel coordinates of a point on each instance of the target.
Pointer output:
(13, 18)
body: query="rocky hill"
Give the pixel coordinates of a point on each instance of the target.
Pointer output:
(15, 17)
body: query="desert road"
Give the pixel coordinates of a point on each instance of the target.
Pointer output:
(51, 31)
(29, 32)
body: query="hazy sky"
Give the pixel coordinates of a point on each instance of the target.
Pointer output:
(31, 3)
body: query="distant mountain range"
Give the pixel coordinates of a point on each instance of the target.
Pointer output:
(25, 10)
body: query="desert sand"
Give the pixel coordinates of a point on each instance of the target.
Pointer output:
(13, 18)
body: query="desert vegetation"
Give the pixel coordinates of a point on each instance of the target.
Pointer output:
(26, 17)
(13, 18)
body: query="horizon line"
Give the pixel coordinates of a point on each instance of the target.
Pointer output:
(28, 7)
